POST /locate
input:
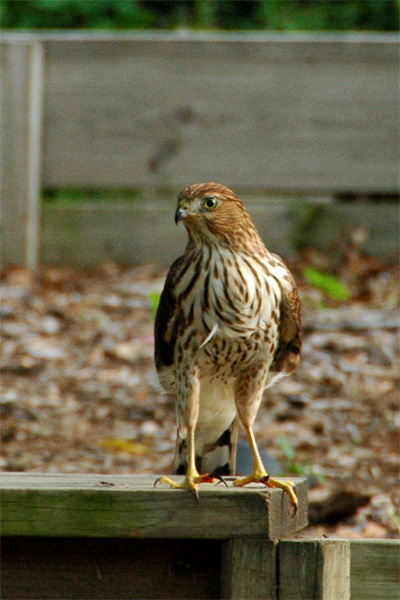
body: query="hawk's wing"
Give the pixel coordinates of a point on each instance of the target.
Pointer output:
(165, 328)
(287, 354)
(219, 456)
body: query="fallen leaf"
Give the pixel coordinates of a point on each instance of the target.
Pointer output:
(124, 445)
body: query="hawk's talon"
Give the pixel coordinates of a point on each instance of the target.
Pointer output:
(195, 493)
(286, 486)
(265, 480)
(189, 483)
(220, 479)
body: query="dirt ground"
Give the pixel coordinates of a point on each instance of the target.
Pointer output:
(79, 392)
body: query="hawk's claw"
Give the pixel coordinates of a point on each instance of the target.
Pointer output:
(220, 479)
(286, 486)
(190, 482)
(265, 479)
(195, 492)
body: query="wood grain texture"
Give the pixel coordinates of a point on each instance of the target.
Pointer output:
(375, 569)
(314, 569)
(128, 234)
(248, 570)
(274, 111)
(142, 232)
(328, 226)
(122, 506)
(15, 68)
(280, 115)
(311, 113)
(139, 233)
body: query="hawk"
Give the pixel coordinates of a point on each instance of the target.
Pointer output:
(227, 327)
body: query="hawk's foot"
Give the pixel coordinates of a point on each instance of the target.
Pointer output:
(189, 483)
(286, 486)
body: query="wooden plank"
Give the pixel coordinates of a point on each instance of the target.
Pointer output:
(275, 112)
(34, 567)
(248, 570)
(122, 506)
(34, 183)
(83, 235)
(312, 569)
(375, 569)
(15, 65)
(21, 115)
(82, 568)
(328, 226)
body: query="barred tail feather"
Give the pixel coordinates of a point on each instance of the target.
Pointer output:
(218, 457)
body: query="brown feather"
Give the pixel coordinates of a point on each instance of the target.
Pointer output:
(165, 328)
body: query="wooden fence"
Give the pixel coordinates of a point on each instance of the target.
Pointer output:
(309, 115)
(115, 536)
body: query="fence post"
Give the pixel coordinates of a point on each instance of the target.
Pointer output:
(375, 569)
(248, 569)
(21, 128)
(314, 568)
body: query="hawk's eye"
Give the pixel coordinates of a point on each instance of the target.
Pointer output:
(210, 203)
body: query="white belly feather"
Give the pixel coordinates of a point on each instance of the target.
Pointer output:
(217, 411)
(254, 307)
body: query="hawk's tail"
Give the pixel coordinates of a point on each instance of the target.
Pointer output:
(218, 457)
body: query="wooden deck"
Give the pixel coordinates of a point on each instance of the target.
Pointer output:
(123, 506)
(86, 536)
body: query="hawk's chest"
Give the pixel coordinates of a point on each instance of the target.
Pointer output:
(233, 308)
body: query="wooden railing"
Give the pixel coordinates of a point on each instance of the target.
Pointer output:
(115, 536)
(313, 115)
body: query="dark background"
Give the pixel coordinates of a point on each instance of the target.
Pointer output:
(273, 15)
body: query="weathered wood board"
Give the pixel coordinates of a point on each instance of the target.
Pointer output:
(314, 569)
(92, 536)
(84, 235)
(15, 67)
(249, 569)
(328, 227)
(300, 113)
(95, 568)
(275, 112)
(375, 569)
(268, 111)
(122, 506)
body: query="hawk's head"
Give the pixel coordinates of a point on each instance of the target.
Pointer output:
(212, 211)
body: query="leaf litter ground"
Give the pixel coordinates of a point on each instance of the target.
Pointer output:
(79, 392)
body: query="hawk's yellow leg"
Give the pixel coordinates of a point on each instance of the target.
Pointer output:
(261, 476)
(192, 477)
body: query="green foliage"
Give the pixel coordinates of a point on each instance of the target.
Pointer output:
(378, 15)
(286, 447)
(327, 283)
(292, 467)
(273, 15)
(76, 14)
(153, 300)
(80, 195)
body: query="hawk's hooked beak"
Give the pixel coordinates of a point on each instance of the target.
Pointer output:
(180, 214)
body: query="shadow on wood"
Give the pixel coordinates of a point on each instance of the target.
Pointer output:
(82, 568)
(97, 536)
